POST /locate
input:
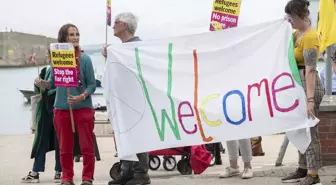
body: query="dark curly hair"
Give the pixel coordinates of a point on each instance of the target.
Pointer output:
(63, 33)
(299, 8)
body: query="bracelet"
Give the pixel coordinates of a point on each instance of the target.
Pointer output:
(83, 96)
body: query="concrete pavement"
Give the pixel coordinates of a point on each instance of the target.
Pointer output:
(15, 163)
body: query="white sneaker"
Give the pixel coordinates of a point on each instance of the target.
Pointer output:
(247, 173)
(229, 172)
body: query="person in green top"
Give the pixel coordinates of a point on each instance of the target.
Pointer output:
(45, 137)
(83, 112)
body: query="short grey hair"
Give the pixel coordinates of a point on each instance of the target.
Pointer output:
(130, 19)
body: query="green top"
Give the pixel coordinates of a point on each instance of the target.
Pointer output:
(46, 77)
(88, 85)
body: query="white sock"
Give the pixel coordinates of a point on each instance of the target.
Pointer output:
(33, 173)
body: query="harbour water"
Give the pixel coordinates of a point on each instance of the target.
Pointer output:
(15, 110)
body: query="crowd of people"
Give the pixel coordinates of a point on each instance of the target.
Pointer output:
(52, 126)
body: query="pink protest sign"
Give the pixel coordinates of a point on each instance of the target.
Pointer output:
(63, 65)
(225, 14)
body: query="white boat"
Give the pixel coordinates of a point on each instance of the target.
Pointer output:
(29, 93)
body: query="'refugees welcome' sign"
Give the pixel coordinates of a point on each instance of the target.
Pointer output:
(218, 86)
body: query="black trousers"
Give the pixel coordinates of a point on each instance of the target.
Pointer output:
(130, 168)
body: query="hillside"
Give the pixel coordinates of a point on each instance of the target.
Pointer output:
(16, 47)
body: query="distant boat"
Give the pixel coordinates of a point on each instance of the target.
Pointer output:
(29, 93)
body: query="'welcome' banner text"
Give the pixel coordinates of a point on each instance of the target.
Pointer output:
(196, 89)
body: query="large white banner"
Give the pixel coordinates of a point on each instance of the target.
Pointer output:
(210, 87)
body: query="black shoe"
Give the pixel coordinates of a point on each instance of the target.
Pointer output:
(309, 180)
(67, 183)
(86, 183)
(58, 177)
(142, 179)
(31, 178)
(120, 181)
(297, 176)
(219, 162)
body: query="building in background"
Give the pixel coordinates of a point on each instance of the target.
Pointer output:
(17, 48)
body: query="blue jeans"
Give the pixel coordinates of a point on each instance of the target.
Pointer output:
(40, 158)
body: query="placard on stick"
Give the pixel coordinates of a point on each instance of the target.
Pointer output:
(63, 63)
(225, 14)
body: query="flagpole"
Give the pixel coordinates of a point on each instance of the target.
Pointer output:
(106, 30)
(108, 21)
(329, 69)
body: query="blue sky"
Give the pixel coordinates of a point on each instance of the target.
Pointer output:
(157, 18)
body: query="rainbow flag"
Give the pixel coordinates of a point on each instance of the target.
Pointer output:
(108, 12)
(326, 25)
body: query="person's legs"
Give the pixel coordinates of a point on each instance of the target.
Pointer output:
(84, 121)
(58, 168)
(126, 173)
(38, 166)
(218, 157)
(66, 143)
(233, 169)
(300, 173)
(39, 162)
(313, 159)
(140, 169)
(246, 153)
(232, 147)
(142, 166)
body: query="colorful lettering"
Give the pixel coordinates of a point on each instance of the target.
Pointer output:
(180, 116)
(240, 94)
(268, 96)
(194, 110)
(206, 120)
(205, 139)
(274, 91)
(164, 115)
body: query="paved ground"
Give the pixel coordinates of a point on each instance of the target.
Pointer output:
(15, 163)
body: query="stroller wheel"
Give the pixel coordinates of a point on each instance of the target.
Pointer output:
(169, 163)
(184, 167)
(154, 163)
(114, 171)
(213, 160)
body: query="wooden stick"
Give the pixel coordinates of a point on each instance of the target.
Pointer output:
(106, 30)
(282, 151)
(71, 114)
(115, 143)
